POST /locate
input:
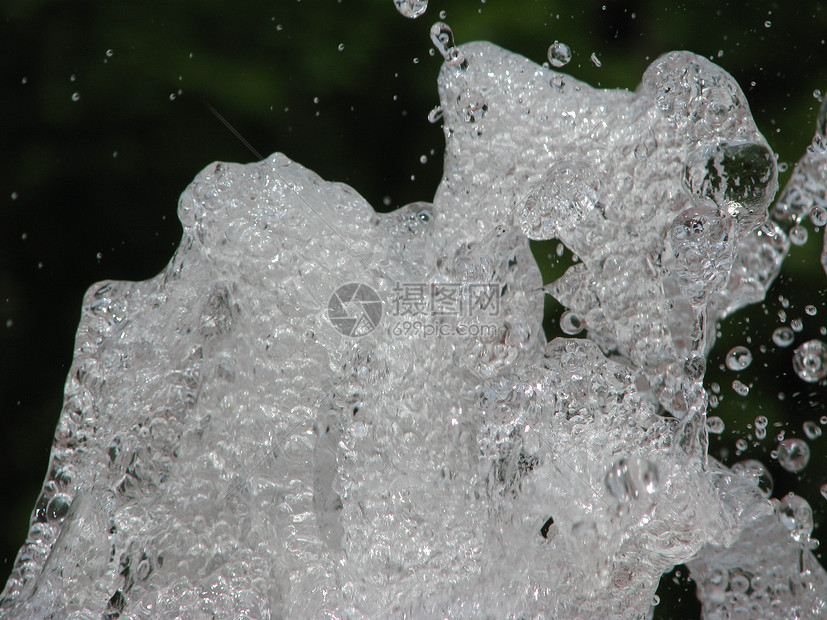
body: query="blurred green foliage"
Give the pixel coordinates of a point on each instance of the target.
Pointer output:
(89, 187)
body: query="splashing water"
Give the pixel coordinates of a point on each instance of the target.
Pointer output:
(226, 448)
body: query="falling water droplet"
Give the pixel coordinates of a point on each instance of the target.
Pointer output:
(596, 60)
(798, 235)
(793, 454)
(740, 388)
(75, 96)
(559, 54)
(443, 39)
(811, 430)
(715, 425)
(738, 358)
(810, 361)
(411, 8)
(783, 336)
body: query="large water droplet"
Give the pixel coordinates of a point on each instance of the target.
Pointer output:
(810, 361)
(795, 514)
(559, 54)
(411, 8)
(783, 336)
(793, 454)
(738, 358)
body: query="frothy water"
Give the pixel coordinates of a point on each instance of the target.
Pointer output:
(318, 410)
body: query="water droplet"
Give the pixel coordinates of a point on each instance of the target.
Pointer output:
(24, 80)
(811, 429)
(818, 216)
(14, 195)
(715, 425)
(740, 388)
(411, 8)
(810, 361)
(559, 54)
(795, 514)
(738, 358)
(741, 444)
(783, 336)
(793, 454)
(443, 39)
(435, 115)
(110, 53)
(760, 433)
(811, 310)
(341, 47)
(767, 24)
(471, 106)
(595, 60)
(626, 479)
(570, 323)
(798, 235)
(761, 421)
(75, 96)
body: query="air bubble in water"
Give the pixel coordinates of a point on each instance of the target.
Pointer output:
(793, 454)
(570, 323)
(783, 336)
(755, 472)
(715, 425)
(738, 358)
(411, 8)
(58, 507)
(811, 429)
(559, 54)
(810, 361)
(471, 106)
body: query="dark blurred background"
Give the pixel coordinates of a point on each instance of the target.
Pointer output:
(105, 122)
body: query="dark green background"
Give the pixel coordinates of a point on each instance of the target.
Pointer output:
(83, 214)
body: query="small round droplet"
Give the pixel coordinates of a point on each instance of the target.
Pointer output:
(741, 444)
(783, 336)
(411, 8)
(715, 425)
(818, 216)
(797, 325)
(110, 53)
(75, 96)
(740, 388)
(793, 454)
(595, 60)
(570, 323)
(755, 472)
(767, 24)
(811, 430)
(798, 235)
(559, 54)
(810, 361)
(738, 358)
(341, 47)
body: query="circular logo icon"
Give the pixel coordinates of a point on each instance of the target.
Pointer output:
(354, 309)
